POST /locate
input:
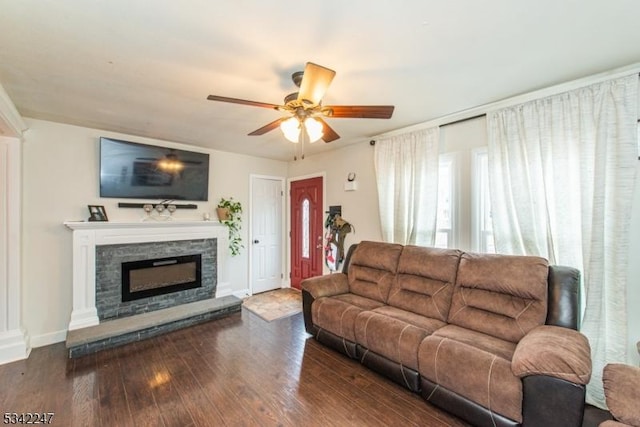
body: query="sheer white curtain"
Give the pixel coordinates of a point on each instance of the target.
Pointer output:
(562, 174)
(407, 177)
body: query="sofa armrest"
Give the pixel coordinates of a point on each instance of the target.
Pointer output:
(317, 287)
(622, 392)
(553, 351)
(326, 286)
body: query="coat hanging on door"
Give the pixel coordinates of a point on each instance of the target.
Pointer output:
(336, 231)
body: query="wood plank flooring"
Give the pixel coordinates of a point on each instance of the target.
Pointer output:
(236, 371)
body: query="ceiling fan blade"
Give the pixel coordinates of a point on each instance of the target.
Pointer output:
(328, 134)
(267, 128)
(359, 111)
(315, 81)
(242, 101)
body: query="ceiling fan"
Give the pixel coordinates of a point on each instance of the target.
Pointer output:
(305, 110)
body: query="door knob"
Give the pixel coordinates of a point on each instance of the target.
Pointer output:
(256, 241)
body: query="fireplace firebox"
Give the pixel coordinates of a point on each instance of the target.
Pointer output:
(148, 278)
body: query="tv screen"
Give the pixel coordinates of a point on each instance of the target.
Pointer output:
(139, 171)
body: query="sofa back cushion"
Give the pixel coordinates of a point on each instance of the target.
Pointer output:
(504, 296)
(424, 281)
(372, 268)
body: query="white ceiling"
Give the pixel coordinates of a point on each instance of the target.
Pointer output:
(146, 67)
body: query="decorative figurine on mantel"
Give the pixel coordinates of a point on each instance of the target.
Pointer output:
(159, 209)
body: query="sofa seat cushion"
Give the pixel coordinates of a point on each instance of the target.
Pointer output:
(474, 373)
(488, 343)
(395, 339)
(426, 323)
(337, 314)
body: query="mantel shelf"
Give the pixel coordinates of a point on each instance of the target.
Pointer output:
(105, 225)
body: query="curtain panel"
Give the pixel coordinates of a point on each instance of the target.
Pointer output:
(406, 169)
(562, 176)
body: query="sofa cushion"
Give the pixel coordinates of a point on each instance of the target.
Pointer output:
(478, 375)
(424, 281)
(488, 343)
(500, 295)
(427, 323)
(337, 314)
(622, 392)
(372, 269)
(390, 337)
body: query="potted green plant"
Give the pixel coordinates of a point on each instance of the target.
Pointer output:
(230, 214)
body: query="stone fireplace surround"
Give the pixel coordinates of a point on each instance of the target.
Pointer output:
(87, 236)
(109, 276)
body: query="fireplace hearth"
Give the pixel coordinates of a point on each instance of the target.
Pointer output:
(160, 276)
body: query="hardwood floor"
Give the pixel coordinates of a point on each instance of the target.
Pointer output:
(239, 371)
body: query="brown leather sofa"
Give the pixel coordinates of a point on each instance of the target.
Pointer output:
(490, 338)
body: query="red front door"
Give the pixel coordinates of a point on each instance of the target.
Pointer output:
(306, 229)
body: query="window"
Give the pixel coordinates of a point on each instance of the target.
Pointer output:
(464, 207)
(444, 219)
(482, 226)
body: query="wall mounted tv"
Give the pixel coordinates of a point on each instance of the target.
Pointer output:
(139, 171)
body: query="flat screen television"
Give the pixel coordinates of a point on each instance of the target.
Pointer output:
(139, 171)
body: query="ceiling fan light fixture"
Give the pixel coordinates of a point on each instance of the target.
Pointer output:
(314, 129)
(291, 129)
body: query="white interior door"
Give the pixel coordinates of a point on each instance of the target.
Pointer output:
(266, 234)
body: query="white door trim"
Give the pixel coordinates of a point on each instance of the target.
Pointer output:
(282, 227)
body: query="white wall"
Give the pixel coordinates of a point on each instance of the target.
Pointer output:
(60, 178)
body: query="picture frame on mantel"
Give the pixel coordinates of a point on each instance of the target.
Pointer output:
(97, 213)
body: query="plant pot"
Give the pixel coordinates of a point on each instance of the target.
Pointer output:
(223, 214)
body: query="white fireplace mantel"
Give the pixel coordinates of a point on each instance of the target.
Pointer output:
(88, 235)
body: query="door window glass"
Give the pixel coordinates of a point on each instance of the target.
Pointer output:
(306, 232)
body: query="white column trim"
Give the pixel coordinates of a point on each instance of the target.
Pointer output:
(14, 341)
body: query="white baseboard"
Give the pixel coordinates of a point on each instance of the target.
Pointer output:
(223, 289)
(48, 339)
(242, 293)
(14, 345)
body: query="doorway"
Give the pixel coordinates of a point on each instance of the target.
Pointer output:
(267, 201)
(306, 229)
